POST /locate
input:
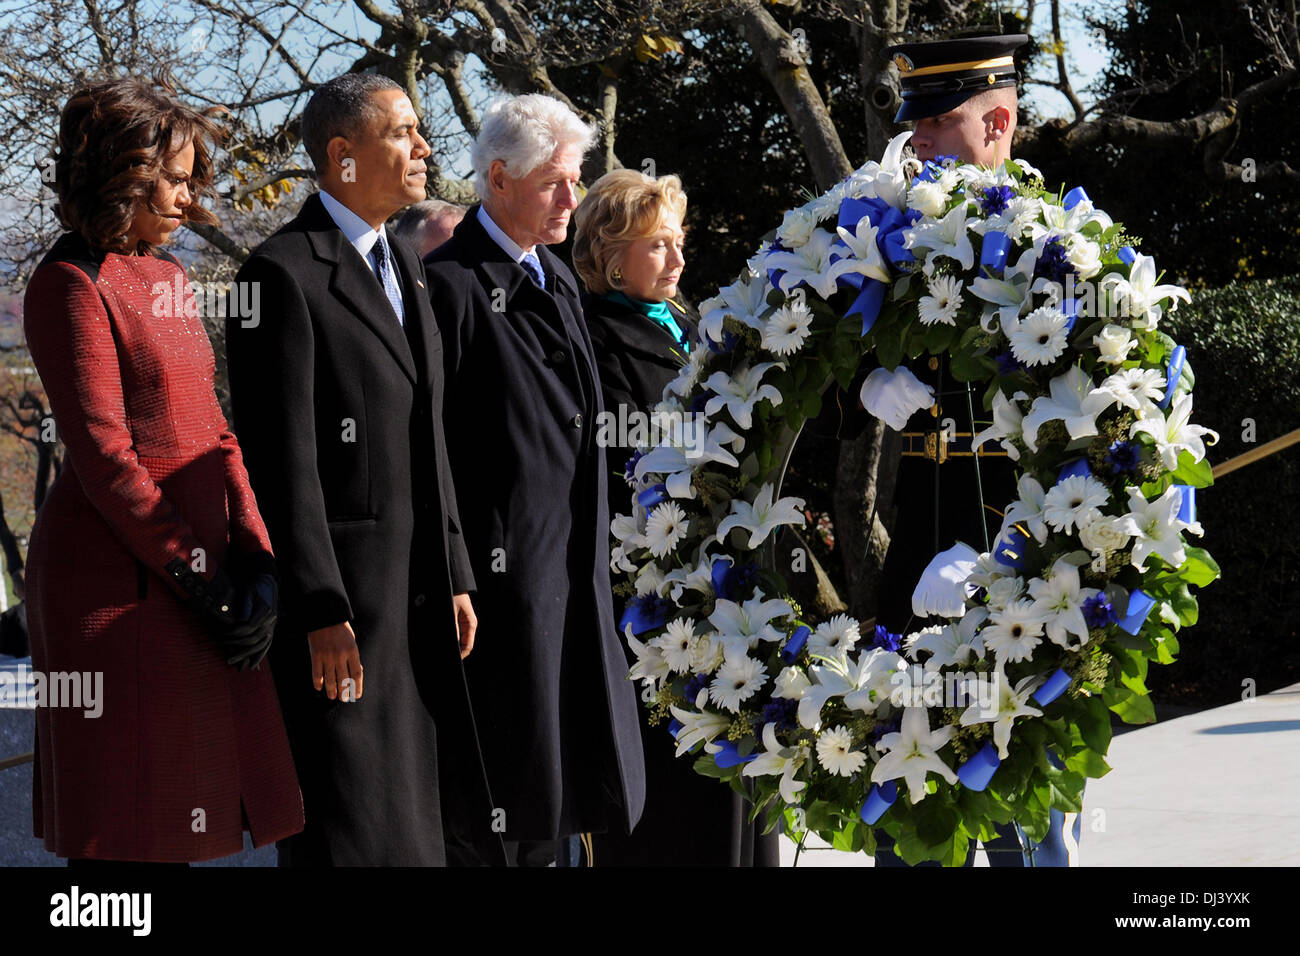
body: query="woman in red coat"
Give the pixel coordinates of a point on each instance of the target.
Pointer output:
(149, 563)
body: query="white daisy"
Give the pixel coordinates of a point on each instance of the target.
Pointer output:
(1039, 338)
(1135, 387)
(942, 303)
(1014, 632)
(737, 680)
(1074, 502)
(676, 644)
(665, 528)
(835, 753)
(834, 638)
(786, 329)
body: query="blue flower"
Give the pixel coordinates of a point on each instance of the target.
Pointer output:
(781, 712)
(886, 640)
(1008, 363)
(994, 199)
(694, 686)
(1097, 611)
(1052, 262)
(893, 725)
(629, 470)
(1123, 457)
(644, 613)
(730, 580)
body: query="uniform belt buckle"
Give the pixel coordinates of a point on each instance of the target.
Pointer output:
(933, 448)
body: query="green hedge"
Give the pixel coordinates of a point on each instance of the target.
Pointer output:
(1243, 342)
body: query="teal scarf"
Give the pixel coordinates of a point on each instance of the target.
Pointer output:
(656, 312)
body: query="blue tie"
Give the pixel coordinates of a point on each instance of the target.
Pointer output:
(533, 266)
(384, 272)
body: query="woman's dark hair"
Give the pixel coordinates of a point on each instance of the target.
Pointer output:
(114, 136)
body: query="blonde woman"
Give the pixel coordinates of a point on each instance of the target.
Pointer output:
(628, 251)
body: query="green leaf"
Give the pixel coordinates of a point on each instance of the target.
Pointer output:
(1200, 569)
(1089, 763)
(1198, 474)
(1094, 724)
(1129, 707)
(971, 368)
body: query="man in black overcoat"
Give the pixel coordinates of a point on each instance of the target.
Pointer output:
(556, 713)
(336, 384)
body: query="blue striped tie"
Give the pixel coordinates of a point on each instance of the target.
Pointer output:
(384, 272)
(533, 266)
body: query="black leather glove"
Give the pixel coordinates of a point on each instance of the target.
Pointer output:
(240, 618)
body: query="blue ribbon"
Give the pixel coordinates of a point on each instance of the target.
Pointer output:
(1011, 550)
(1187, 509)
(1127, 255)
(976, 772)
(868, 303)
(1139, 606)
(1052, 688)
(675, 727)
(1071, 309)
(890, 223)
(1074, 197)
(880, 798)
(993, 254)
(652, 495)
(1078, 467)
(793, 646)
(1173, 372)
(729, 756)
(644, 613)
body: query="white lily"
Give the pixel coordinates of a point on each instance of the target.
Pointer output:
(697, 727)
(913, 752)
(745, 300)
(1060, 599)
(1174, 433)
(681, 453)
(874, 677)
(740, 391)
(776, 760)
(948, 237)
(1012, 702)
(741, 626)
(810, 264)
(1073, 400)
(1006, 424)
(1027, 509)
(953, 643)
(691, 577)
(1156, 527)
(1139, 296)
(864, 255)
(650, 665)
(761, 517)
(832, 678)
(1007, 296)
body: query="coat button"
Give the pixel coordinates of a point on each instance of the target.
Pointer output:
(419, 600)
(557, 356)
(577, 420)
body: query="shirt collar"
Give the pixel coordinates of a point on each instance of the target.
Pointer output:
(508, 245)
(355, 229)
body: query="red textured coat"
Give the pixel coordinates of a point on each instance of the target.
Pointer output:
(188, 752)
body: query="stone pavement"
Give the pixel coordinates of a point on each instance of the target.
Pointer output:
(1217, 787)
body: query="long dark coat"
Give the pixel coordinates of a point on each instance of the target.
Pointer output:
(688, 820)
(548, 676)
(185, 752)
(340, 415)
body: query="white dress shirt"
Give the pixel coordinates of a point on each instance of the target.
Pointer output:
(360, 233)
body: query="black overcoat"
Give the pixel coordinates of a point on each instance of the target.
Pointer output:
(689, 820)
(556, 713)
(338, 410)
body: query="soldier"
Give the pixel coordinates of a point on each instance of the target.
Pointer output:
(961, 96)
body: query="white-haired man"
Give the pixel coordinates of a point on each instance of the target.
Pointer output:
(558, 719)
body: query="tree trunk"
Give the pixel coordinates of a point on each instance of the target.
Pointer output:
(778, 57)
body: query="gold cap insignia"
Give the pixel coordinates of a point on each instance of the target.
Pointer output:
(904, 63)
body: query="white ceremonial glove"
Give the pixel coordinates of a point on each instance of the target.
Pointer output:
(942, 588)
(895, 396)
